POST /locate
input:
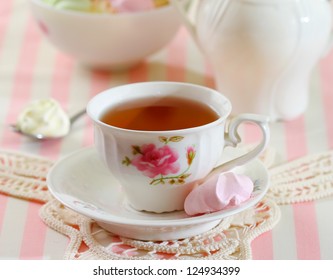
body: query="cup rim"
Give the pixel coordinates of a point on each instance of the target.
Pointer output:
(138, 14)
(220, 119)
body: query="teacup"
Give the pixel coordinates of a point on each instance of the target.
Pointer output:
(158, 168)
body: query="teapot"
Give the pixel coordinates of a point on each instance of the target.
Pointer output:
(262, 52)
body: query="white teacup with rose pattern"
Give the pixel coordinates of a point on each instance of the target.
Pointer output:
(158, 169)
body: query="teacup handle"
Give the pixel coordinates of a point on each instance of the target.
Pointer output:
(232, 138)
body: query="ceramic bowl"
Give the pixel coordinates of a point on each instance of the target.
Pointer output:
(113, 41)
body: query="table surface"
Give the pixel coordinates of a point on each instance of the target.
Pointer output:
(30, 68)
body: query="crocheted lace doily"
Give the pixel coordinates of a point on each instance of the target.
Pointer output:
(24, 176)
(309, 178)
(304, 179)
(231, 239)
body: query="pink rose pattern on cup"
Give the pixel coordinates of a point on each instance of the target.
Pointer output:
(153, 161)
(160, 163)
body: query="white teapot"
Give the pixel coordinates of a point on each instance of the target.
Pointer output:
(262, 51)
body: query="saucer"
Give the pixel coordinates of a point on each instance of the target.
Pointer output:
(81, 182)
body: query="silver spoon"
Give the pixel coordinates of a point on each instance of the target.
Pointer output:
(40, 136)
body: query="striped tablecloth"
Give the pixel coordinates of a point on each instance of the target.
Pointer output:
(30, 68)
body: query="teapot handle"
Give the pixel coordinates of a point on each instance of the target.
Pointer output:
(184, 9)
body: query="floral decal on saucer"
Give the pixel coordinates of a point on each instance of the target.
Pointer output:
(160, 163)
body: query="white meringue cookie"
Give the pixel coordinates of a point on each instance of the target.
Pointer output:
(43, 116)
(218, 192)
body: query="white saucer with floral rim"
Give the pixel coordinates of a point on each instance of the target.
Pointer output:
(81, 182)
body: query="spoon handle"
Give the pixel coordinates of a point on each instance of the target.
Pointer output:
(77, 115)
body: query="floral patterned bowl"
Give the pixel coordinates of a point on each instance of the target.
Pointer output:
(109, 41)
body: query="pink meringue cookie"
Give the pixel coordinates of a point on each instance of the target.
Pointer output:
(124, 6)
(218, 192)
